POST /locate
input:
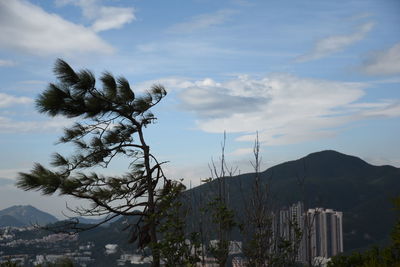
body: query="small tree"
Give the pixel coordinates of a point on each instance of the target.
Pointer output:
(177, 247)
(222, 217)
(111, 122)
(257, 229)
(262, 243)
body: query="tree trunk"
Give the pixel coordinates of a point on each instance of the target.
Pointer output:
(151, 201)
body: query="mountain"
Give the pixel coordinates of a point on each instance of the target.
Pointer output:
(330, 179)
(18, 216)
(7, 220)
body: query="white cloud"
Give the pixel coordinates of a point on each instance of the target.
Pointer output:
(285, 109)
(28, 28)
(169, 83)
(385, 62)
(184, 48)
(242, 151)
(13, 126)
(112, 18)
(202, 21)
(191, 174)
(10, 174)
(335, 43)
(9, 100)
(210, 100)
(34, 82)
(103, 17)
(386, 108)
(7, 63)
(379, 161)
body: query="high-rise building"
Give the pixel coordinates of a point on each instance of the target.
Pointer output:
(289, 219)
(291, 224)
(325, 233)
(322, 232)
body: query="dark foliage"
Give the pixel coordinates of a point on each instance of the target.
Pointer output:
(109, 123)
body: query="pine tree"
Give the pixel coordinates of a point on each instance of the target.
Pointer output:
(110, 123)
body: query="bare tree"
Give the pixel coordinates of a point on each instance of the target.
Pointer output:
(222, 216)
(264, 244)
(257, 229)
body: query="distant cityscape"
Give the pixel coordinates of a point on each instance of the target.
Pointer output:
(321, 238)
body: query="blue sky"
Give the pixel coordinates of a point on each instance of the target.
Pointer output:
(307, 75)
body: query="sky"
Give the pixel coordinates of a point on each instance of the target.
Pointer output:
(306, 75)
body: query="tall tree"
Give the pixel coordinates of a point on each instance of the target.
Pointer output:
(110, 123)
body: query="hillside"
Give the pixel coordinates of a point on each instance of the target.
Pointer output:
(331, 180)
(18, 216)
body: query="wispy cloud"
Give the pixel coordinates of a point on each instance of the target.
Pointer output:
(7, 63)
(335, 43)
(385, 62)
(16, 122)
(28, 28)
(103, 17)
(186, 48)
(361, 16)
(172, 83)
(7, 100)
(34, 82)
(203, 21)
(112, 18)
(289, 109)
(8, 125)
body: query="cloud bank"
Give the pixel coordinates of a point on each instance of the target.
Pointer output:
(284, 109)
(28, 28)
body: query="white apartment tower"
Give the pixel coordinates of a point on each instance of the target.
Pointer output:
(325, 238)
(322, 231)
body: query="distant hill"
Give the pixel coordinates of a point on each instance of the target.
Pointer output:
(7, 220)
(20, 215)
(331, 180)
(95, 220)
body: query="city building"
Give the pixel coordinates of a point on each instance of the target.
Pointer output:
(325, 232)
(321, 231)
